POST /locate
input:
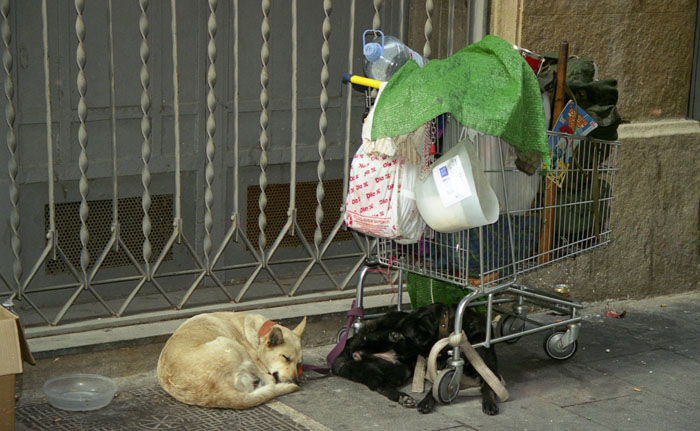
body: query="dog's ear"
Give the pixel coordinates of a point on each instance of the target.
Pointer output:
(300, 327)
(275, 338)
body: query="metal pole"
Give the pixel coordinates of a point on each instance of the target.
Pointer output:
(477, 20)
(51, 235)
(402, 20)
(295, 113)
(450, 27)
(113, 102)
(348, 107)
(176, 112)
(236, 110)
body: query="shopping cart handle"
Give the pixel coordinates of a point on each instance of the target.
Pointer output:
(361, 80)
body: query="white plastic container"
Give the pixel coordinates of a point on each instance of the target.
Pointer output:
(80, 392)
(385, 55)
(457, 195)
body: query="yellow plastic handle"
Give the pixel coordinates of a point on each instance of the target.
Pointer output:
(361, 80)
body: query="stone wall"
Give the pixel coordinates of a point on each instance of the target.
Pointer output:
(646, 45)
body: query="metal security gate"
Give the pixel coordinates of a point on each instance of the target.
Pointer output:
(172, 157)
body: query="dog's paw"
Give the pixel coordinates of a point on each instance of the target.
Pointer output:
(286, 388)
(489, 407)
(427, 404)
(407, 401)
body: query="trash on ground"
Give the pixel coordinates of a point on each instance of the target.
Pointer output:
(612, 313)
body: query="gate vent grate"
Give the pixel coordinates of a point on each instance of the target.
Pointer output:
(278, 204)
(99, 225)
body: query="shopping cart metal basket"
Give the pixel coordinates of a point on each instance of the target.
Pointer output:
(543, 219)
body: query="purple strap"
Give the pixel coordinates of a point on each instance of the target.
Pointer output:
(352, 314)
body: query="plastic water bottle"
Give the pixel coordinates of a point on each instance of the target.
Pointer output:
(385, 55)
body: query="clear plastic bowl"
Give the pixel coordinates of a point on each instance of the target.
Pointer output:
(80, 392)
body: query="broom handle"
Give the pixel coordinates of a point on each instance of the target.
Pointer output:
(560, 91)
(550, 194)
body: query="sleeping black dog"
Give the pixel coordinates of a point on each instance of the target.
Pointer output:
(383, 353)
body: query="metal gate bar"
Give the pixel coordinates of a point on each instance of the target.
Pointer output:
(11, 138)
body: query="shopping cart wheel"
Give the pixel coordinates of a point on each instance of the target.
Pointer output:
(554, 350)
(443, 390)
(341, 333)
(510, 325)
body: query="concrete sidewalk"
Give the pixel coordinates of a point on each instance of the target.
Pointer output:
(639, 372)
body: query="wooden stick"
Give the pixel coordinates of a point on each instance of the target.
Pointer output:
(560, 91)
(550, 194)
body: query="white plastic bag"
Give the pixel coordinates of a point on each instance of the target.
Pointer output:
(410, 224)
(380, 198)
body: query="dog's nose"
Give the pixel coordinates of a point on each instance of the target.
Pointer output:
(276, 375)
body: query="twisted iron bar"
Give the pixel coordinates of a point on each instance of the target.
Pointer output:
(322, 124)
(428, 29)
(211, 130)
(10, 137)
(377, 19)
(145, 78)
(264, 119)
(81, 81)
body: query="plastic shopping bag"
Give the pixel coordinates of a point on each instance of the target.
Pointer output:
(380, 199)
(410, 224)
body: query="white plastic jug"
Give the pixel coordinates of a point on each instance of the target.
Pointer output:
(457, 195)
(385, 55)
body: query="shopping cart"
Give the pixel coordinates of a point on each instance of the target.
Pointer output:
(543, 219)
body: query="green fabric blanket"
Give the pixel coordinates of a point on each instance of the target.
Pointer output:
(486, 86)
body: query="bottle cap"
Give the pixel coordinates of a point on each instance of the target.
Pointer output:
(372, 51)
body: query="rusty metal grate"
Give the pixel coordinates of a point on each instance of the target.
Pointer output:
(153, 409)
(277, 206)
(99, 224)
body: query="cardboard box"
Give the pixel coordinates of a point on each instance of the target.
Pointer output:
(13, 351)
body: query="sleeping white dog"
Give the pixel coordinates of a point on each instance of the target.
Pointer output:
(230, 360)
